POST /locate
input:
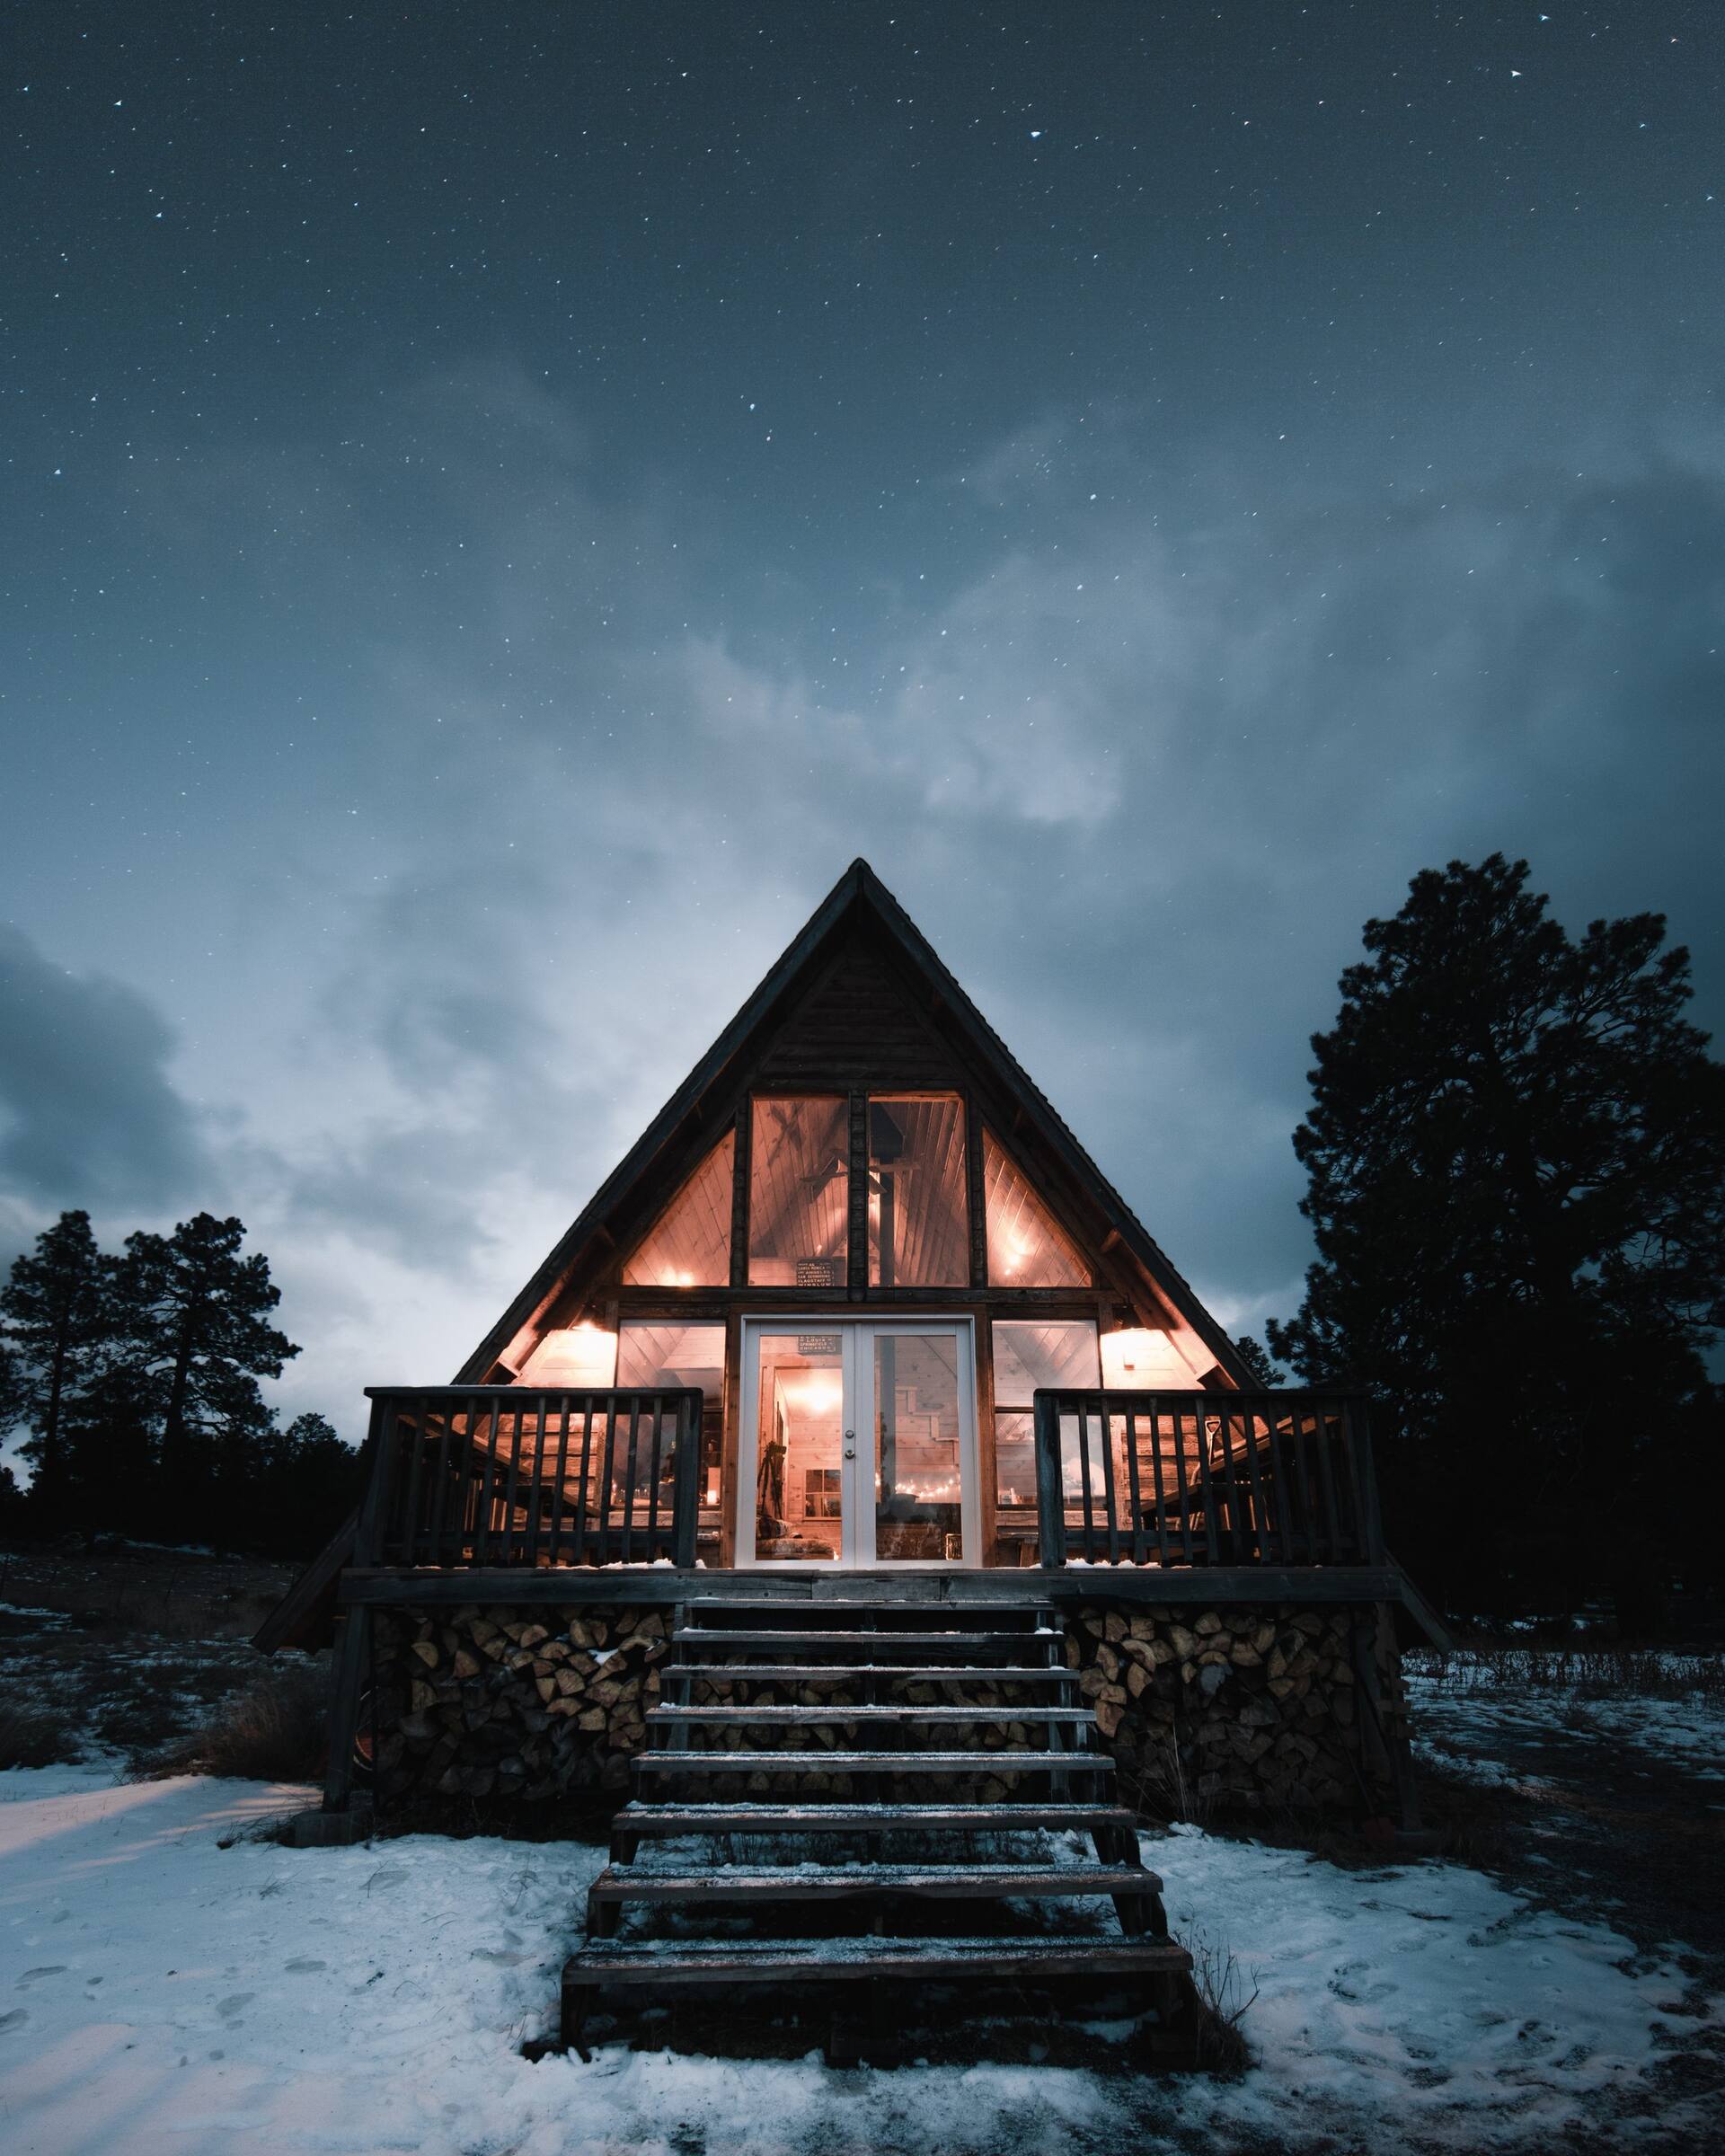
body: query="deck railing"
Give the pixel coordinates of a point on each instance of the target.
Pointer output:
(1177, 1478)
(508, 1475)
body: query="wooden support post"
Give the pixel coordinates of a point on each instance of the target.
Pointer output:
(975, 1194)
(856, 1270)
(740, 1195)
(1374, 1639)
(352, 1667)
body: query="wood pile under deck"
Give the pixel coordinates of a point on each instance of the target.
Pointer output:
(846, 1869)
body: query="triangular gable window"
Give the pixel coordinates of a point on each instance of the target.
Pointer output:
(1026, 1246)
(689, 1244)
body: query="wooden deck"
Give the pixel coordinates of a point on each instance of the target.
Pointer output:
(665, 1586)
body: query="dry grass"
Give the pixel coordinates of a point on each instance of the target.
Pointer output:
(1161, 1791)
(276, 1730)
(1219, 2043)
(1586, 1672)
(30, 1736)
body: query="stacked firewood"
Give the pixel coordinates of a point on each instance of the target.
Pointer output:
(497, 1702)
(1226, 1710)
(1205, 1710)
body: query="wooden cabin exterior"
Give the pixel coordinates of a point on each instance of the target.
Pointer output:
(859, 1482)
(858, 1323)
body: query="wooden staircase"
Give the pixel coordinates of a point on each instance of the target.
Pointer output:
(865, 1831)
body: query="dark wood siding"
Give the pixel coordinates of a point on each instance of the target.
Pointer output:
(856, 1025)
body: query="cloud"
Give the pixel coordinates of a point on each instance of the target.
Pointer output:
(1141, 755)
(88, 1113)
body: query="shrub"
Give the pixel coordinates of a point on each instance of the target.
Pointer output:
(277, 1730)
(30, 1736)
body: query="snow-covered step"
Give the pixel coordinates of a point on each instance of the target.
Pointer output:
(691, 1880)
(797, 1645)
(1135, 1891)
(638, 1821)
(668, 1965)
(954, 1615)
(832, 1673)
(827, 1716)
(1038, 1760)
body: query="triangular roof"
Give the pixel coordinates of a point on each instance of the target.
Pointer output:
(695, 1115)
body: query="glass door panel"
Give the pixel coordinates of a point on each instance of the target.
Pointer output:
(858, 1444)
(919, 1448)
(799, 1468)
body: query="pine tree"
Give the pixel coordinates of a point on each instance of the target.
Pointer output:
(1251, 1354)
(196, 1316)
(1516, 1161)
(110, 1445)
(59, 1316)
(310, 1483)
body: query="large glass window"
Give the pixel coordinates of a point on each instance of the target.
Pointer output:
(1026, 1245)
(689, 1244)
(682, 1354)
(918, 1225)
(798, 1192)
(1030, 1357)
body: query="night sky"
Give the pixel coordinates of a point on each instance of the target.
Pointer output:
(504, 501)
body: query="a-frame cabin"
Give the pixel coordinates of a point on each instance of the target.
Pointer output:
(858, 1375)
(857, 1213)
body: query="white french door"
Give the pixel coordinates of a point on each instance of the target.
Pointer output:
(858, 1444)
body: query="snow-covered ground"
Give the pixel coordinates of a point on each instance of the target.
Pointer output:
(1467, 1711)
(168, 1989)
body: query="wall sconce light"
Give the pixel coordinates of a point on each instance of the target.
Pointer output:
(582, 1357)
(1135, 1359)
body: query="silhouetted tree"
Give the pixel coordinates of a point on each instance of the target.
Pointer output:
(13, 1502)
(111, 1455)
(1516, 1161)
(12, 1387)
(196, 1315)
(1251, 1354)
(137, 1379)
(58, 1308)
(308, 1484)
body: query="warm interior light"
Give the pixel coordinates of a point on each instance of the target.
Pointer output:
(1137, 1359)
(582, 1357)
(814, 1394)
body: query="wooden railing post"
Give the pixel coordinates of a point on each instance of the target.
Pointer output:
(1050, 1495)
(353, 1624)
(380, 1443)
(686, 1486)
(1371, 1517)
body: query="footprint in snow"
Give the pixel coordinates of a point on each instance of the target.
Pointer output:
(14, 2019)
(228, 2008)
(305, 1968)
(48, 1968)
(507, 1957)
(384, 1879)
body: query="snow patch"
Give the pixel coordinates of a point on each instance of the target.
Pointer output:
(175, 1997)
